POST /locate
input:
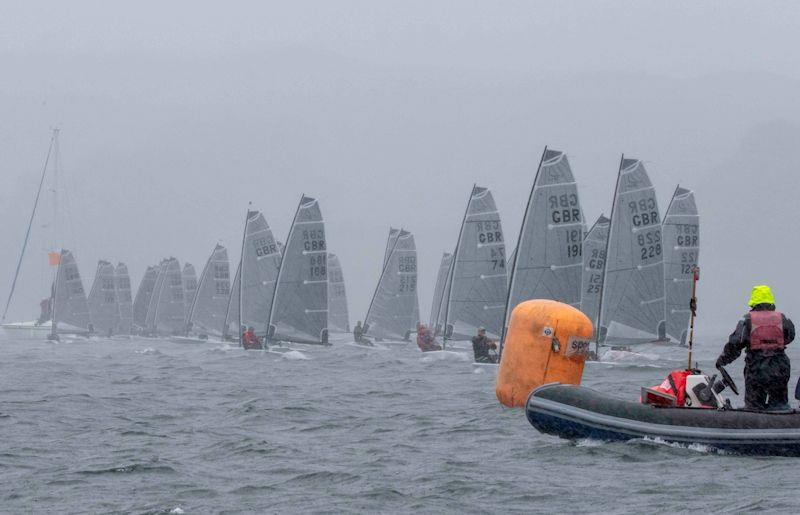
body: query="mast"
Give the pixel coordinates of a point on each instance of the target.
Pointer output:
(241, 259)
(516, 252)
(53, 141)
(605, 268)
(453, 268)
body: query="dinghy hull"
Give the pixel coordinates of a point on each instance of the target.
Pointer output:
(575, 412)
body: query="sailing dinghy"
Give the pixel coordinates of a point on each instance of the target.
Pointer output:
(299, 311)
(594, 265)
(103, 306)
(632, 308)
(477, 290)
(167, 308)
(391, 313)
(338, 318)
(438, 293)
(141, 302)
(681, 234)
(69, 307)
(189, 278)
(547, 261)
(122, 286)
(204, 321)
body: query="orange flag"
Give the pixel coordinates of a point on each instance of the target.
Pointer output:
(53, 258)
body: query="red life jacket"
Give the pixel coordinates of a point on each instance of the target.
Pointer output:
(766, 331)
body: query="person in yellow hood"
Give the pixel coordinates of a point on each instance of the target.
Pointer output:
(764, 334)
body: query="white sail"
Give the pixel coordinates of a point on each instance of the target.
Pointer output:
(103, 307)
(438, 291)
(299, 310)
(594, 265)
(231, 329)
(260, 264)
(122, 285)
(69, 305)
(189, 278)
(681, 235)
(632, 307)
(548, 259)
(170, 310)
(392, 310)
(338, 317)
(207, 311)
(144, 294)
(478, 289)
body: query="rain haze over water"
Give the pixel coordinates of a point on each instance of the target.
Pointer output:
(174, 116)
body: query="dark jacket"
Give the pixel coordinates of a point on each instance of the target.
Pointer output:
(481, 346)
(739, 340)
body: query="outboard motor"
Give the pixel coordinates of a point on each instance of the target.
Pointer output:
(686, 388)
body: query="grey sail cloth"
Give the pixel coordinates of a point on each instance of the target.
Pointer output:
(509, 264)
(144, 293)
(70, 308)
(338, 316)
(392, 310)
(189, 277)
(299, 310)
(261, 261)
(548, 260)
(438, 291)
(122, 284)
(150, 320)
(170, 307)
(207, 311)
(594, 265)
(103, 307)
(390, 241)
(478, 290)
(231, 325)
(681, 235)
(632, 308)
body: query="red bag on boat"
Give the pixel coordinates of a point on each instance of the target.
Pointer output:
(674, 385)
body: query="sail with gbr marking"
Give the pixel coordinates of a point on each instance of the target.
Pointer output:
(681, 235)
(260, 262)
(122, 285)
(70, 308)
(632, 307)
(594, 264)
(103, 307)
(478, 288)
(391, 314)
(548, 257)
(299, 310)
(338, 317)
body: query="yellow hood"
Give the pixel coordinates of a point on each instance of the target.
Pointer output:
(761, 295)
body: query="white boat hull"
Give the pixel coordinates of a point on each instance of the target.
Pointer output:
(27, 331)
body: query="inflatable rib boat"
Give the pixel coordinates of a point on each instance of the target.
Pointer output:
(576, 412)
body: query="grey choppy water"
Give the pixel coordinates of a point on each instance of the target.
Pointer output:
(150, 426)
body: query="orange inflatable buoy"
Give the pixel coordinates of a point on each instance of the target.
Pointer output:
(546, 342)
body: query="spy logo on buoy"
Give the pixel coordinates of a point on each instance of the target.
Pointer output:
(548, 332)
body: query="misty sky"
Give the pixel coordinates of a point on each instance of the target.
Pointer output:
(175, 115)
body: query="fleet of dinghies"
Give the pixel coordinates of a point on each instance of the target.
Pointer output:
(630, 273)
